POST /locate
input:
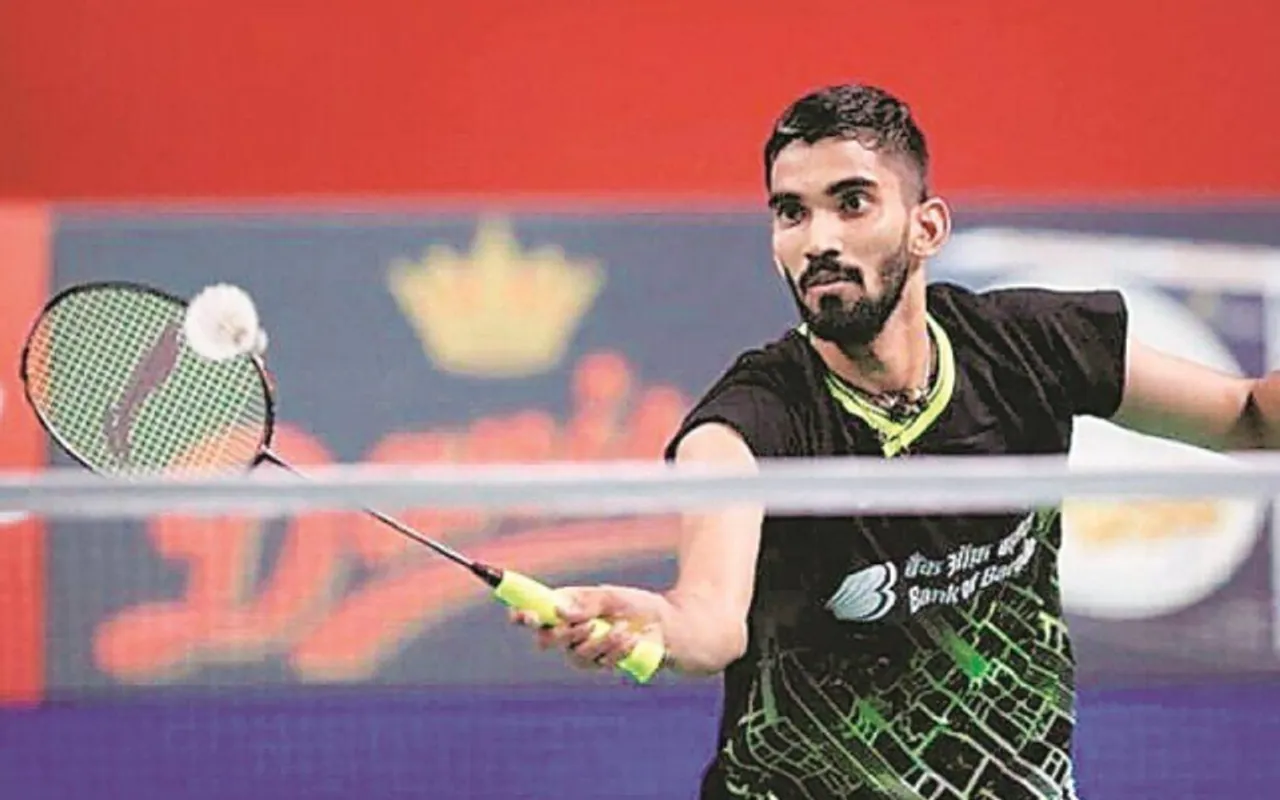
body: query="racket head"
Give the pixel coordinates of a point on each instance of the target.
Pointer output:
(109, 375)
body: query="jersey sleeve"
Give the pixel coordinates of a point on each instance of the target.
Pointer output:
(756, 412)
(1081, 340)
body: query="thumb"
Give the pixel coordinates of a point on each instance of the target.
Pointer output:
(580, 604)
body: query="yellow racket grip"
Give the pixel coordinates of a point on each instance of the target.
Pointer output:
(525, 594)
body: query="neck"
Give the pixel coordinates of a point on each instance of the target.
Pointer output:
(899, 358)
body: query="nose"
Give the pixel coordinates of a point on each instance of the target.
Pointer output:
(823, 236)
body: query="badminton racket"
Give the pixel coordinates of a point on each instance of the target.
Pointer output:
(112, 373)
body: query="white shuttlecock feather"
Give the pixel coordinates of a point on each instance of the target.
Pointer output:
(222, 322)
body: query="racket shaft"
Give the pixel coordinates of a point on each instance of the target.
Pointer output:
(516, 590)
(386, 519)
(525, 594)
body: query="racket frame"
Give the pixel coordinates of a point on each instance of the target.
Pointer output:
(264, 375)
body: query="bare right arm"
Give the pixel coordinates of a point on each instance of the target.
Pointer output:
(704, 621)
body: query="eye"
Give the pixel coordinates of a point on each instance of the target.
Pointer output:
(853, 202)
(788, 212)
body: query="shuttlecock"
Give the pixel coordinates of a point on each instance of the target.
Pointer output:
(221, 322)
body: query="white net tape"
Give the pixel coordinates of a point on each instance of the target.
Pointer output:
(802, 486)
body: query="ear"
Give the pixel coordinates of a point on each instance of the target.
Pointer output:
(931, 227)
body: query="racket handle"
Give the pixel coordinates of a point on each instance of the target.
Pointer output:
(525, 594)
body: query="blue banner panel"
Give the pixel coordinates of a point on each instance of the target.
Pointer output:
(432, 338)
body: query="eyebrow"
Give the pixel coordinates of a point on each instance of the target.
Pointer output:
(840, 187)
(777, 199)
(836, 189)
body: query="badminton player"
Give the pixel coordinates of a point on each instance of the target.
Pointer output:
(894, 656)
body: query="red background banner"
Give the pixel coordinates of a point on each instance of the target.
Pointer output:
(24, 265)
(213, 98)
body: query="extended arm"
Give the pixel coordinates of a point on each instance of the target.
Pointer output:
(706, 616)
(1172, 397)
(702, 618)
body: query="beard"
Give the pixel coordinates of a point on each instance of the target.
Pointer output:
(851, 323)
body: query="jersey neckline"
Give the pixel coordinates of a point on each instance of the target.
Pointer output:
(898, 434)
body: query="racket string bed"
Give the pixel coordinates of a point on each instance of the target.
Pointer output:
(129, 398)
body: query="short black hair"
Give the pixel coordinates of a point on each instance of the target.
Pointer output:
(872, 116)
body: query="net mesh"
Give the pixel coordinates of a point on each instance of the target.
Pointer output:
(109, 372)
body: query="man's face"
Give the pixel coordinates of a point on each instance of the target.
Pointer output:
(841, 227)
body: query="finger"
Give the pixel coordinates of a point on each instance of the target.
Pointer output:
(620, 642)
(578, 660)
(591, 648)
(592, 653)
(620, 645)
(523, 618)
(607, 649)
(608, 659)
(563, 636)
(552, 637)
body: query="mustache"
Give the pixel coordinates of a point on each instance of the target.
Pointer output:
(828, 269)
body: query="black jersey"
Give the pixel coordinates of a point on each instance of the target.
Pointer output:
(909, 656)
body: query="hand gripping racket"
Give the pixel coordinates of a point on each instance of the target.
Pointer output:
(108, 374)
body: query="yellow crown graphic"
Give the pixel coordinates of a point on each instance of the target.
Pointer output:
(495, 312)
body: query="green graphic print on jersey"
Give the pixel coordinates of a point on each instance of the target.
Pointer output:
(980, 708)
